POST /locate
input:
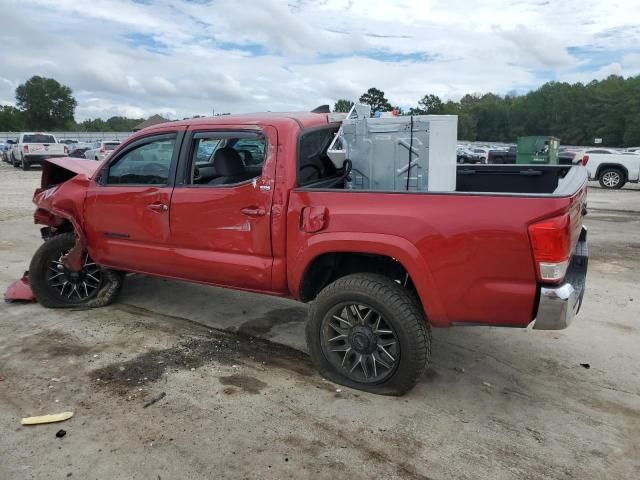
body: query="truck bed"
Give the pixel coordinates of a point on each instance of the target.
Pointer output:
(469, 254)
(534, 180)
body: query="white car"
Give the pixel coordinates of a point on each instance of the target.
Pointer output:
(612, 170)
(33, 148)
(482, 153)
(101, 150)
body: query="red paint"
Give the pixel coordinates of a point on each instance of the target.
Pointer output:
(313, 219)
(20, 291)
(469, 256)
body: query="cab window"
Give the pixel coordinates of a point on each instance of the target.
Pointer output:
(146, 164)
(222, 159)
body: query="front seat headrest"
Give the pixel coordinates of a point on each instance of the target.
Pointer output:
(228, 162)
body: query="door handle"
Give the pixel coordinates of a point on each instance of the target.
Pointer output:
(158, 207)
(254, 211)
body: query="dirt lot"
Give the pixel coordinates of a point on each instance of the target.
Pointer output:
(496, 403)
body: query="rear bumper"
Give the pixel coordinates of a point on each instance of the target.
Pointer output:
(34, 159)
(559, 305)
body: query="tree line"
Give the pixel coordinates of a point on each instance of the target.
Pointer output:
(45, 104)
(576, 113)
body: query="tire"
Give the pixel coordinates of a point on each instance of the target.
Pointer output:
(42, 270)
(612, 178)
(399, 313)
(14, 162)
(25, 164)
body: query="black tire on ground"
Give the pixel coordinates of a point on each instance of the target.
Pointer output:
(14, 162)
(397, 307)
(40, 273)
(612, 178)
(25, 164)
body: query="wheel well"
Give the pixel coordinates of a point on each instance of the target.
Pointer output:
(328, 267)
(614, 166)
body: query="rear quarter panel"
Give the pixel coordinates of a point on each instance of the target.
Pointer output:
(469, 256)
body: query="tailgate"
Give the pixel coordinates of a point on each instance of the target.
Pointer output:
(45, 149)
(577, 212)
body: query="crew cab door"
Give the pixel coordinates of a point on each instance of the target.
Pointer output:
(127, 205)
(221, 217)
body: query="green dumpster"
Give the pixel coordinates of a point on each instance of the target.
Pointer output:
(537, 149)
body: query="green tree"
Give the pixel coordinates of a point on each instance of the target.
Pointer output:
(11, 119)
(46, 104)
(429, 104)
(343, 105)
(376, 100)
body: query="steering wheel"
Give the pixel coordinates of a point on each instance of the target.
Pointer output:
(315, 167)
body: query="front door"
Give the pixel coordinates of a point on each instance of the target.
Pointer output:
(221, 208)
(127, 206)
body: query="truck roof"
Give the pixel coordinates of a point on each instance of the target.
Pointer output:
(277, 119)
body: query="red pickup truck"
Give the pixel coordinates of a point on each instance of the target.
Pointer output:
(252, 202)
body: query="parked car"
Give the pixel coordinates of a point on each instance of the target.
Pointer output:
(502, 156)
(4, 151)
(465, 155)
(7, 150)
(101, 150)
(612, 170)
(601, 151)
(380, 269)
(34, 148)
(482, 153)
(79, 152)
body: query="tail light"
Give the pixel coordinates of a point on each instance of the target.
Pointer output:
(102, 150)
(25, 148)
(584, 160)
(551, 244)
(66, 149)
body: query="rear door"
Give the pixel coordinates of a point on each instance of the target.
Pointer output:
(220, 224)
(127, 206)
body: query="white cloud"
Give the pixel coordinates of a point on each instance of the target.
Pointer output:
(183, 58)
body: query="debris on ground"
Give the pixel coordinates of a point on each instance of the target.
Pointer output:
(56, 417)
(155, 399)
(487, 384)
(459, 369)
(2, 377)
(61, 433)
(585, 365)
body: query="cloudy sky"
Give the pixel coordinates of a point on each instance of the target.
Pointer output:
(186, 57)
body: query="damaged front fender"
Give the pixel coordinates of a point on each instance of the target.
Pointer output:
(64, 202)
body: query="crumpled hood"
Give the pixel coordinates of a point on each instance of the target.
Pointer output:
(61, 169)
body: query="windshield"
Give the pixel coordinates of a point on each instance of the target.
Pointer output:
(38, 138)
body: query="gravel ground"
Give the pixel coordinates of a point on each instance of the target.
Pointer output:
(242, 400)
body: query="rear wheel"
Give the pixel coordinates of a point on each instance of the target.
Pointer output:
(54, 285)
(25, 164)
(368, 332)
(612, 178)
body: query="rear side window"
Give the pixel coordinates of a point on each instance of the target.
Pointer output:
(38, 138)
(222, 158)
(111, 146)
(313, 163)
